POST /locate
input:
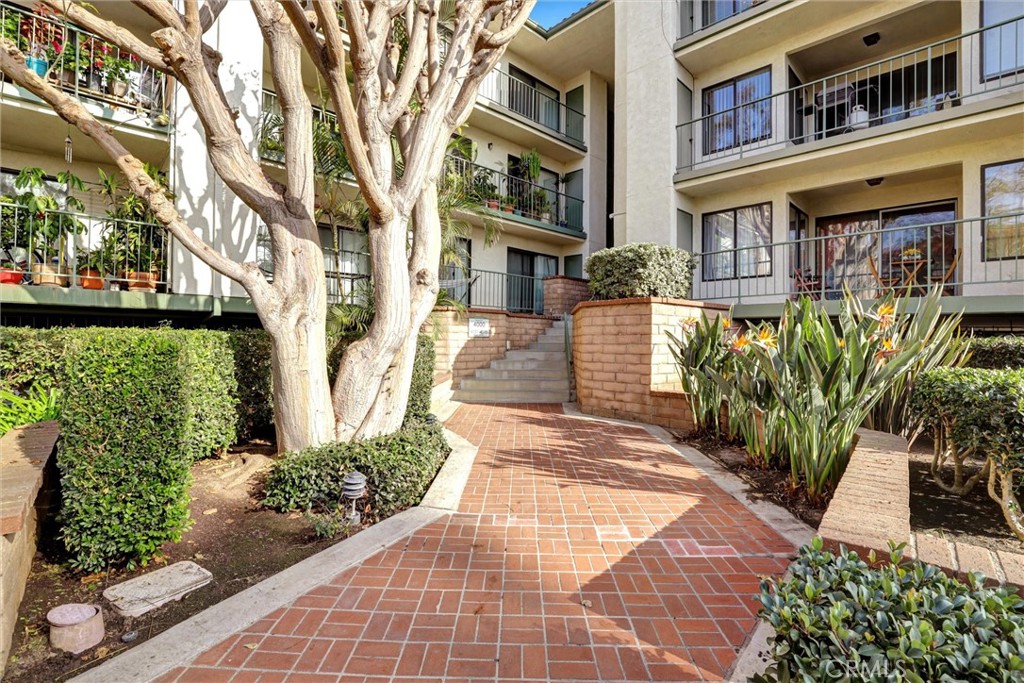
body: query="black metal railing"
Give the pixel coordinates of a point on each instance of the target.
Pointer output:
(64, 248)
(542, 109)
(698, 15)
(938, 76)
(489, 289)
(499, 191)
(970, 257)
(84, 65)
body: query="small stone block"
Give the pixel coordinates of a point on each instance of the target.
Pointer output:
(137, 596)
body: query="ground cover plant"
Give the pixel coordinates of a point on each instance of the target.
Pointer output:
(841, 618)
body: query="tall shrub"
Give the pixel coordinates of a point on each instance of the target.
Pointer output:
(253, 376)
(640, 270)
(422, 381)
(139, 406)
(30, 356)
(1006, 351)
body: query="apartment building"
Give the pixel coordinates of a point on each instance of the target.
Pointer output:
(808, 146)
(550, 99)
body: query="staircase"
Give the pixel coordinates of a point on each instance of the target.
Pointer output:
(534, 375)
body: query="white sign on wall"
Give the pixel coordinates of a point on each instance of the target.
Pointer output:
(479, 327)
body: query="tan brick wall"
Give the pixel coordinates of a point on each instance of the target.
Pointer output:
(458, 356)
(562, 293)
(623, 363)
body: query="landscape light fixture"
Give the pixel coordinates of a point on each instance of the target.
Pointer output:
(353, 488)
(872, 39)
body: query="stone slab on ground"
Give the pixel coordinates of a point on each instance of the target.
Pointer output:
(144, 593)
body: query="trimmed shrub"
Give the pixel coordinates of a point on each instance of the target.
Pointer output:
(30, 356)
(254, 378)
(640, 270)
(398, 468)
(975, 414)
(422, 381)
(997, 352)
(838, 618)
(139, 406)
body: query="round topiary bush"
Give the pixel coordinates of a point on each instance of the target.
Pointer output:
(640, 270)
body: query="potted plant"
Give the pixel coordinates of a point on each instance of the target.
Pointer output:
(529, 164)
(133, 244)
(115, 70)
(508, 204)
(72, 63)
(10, 273)
(90, 268)
(47, 223)
(541, 205)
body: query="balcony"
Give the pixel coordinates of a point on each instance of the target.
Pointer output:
(539, 110)
(697, 16)
(908, 90)
(517, 199)
(67, 249)
(486, 289)
(975, 257)
(115, 85)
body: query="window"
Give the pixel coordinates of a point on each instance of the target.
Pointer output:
(717, 10)
(1003, 187)
(738, 112)
(1003, 45)
(737, 243)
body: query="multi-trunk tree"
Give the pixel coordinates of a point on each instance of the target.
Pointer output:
(402, 75)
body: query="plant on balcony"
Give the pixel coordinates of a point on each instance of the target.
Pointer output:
(133, 242)
(508, 203)
(116, 66)
(91, 267)
(540, 205)
(529, 164)
(484, 189)
(47, 223)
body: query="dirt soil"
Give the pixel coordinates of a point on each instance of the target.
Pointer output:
(974, 518)
(770, 484)
(231, 537)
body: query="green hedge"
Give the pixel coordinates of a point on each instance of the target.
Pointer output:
(997, 352)
(838, 618)
(30, 356)
(253, 374)
(398, 467)
(138, 407)
(640, 270)
(422, 381)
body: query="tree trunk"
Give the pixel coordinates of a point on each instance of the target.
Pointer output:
(303, 415)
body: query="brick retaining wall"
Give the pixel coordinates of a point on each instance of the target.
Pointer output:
(622, 361)
(871, 505)
(25, 454)
(562, 293)
(459, 357)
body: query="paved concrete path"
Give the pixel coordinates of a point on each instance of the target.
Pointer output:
(582, 550)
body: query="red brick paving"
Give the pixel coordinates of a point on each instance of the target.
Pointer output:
(582, 551)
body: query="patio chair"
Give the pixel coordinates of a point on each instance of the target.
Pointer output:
(884, 283)
(946, 278)
(805, 284)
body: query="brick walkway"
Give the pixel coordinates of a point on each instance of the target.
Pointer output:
(582, 551)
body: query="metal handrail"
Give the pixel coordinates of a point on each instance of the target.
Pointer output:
(781, 117)
(956, 253)
(505, 89)
(500, 191)
(43, 38)
(113, 247)
(488, 289)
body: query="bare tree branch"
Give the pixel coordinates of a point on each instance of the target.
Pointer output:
(193, 24)
(414, 57)
(12, 63)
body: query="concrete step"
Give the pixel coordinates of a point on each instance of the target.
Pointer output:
(524, 385)
(533, 364)
(523, 373)
(503, 396)
(529, 354)
(558, 346)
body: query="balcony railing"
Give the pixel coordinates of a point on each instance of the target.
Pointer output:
(976, 256)
(503, 192)
(494, 290)
(542, 109)
(62, 249)
(82, 64)
(935, 77)
(711, 13)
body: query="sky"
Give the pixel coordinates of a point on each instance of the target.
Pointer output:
(547, 13)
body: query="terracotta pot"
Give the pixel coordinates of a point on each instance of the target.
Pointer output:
(48, 276)
(90, 278)
(141, 282)
(9, 276)
(507, 208)
(118, 88)
(492, 203)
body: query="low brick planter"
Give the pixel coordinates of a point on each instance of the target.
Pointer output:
(871, 506)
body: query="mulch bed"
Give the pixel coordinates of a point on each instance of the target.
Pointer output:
(974, 518)
(238, 542)
(770, 484)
